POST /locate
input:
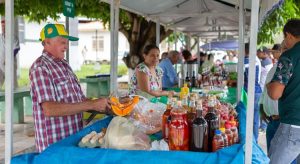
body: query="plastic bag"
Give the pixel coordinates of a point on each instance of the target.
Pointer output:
(122, 134)
(147, 116)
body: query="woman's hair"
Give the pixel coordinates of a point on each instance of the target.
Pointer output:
(149, 47)
(186, 54)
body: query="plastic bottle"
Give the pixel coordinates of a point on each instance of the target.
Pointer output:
(165, 116)
(185, 91)
(179, 132)
(198, 140)
(193, 80)
(212, 122)
(191, 115)
(218, 142)
(235, 134)
(232, 121)
(225, 138)
(229, 134)
(187, 79)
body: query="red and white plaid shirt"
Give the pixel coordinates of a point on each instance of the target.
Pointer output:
(53, 80)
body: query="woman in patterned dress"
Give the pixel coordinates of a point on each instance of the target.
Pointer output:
(147, 76)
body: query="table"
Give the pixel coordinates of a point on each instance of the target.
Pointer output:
(21, 98)
(67, 151)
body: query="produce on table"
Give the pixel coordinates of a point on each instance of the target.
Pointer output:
(93, 139)
(123, 106)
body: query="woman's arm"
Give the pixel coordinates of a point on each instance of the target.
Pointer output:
(143, 85)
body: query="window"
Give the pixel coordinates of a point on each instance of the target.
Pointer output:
(98, 43)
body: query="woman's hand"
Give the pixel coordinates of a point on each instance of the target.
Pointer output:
(168, 93)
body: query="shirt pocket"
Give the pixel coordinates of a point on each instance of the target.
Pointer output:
(61, 85)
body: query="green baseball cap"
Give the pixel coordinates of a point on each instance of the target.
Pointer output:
(54, 30)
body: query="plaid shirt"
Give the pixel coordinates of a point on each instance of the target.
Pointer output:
(53, 80)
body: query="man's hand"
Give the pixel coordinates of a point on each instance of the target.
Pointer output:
(102, 105)
(263, 115)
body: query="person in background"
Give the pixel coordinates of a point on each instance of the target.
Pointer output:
(57, 98)
(234, 57)
(164, 55)
(208, 63)
(269, 107)
(147, 77)
(266, 64)
(169, 78)
(203, 58)
(188, 58)
(257, 88)
(285, 88)
(16, 48)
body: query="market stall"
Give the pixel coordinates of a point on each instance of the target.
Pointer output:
(67, 151)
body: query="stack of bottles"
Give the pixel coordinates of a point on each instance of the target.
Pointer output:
(185, 126)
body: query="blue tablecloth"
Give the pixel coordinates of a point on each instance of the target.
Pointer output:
(67, 151)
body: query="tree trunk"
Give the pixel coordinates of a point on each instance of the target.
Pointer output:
(141, 34)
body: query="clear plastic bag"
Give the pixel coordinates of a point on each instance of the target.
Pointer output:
(147, 116)
(122, 134)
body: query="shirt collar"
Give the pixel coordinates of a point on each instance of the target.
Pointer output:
(50, 57)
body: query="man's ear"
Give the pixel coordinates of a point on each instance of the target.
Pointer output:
(289, 36)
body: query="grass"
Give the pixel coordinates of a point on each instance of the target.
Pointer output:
(86, 70)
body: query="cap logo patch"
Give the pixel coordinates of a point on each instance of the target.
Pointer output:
(49, 30)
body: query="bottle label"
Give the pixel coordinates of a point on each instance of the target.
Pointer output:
(166, 131)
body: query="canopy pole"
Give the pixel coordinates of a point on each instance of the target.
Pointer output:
(251, 82)
(9, 78)
(241, 53)
(157, 33)
(68, 30)
(175, 34)
(198, 51)
(188, 40)
(114, 25)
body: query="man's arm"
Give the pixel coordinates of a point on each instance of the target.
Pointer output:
(281, 78)
(275, 90)
(52, 109)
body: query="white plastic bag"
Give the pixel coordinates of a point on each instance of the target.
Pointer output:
(122, 134)
(147, 116)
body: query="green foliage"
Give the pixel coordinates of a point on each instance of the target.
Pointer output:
(232, 75)
(85, 70)
(273, 25)
(41, 10)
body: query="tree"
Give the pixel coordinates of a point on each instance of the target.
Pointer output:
(138, 31)
(182, 38)
(274, 23)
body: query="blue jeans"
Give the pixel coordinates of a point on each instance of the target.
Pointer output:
(271, 130)
(285, 146)
(256, 116)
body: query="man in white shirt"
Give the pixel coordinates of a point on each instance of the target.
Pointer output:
(268, 106)
(2, 55)
(266, 65)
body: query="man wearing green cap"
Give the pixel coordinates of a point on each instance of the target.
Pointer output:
(57, 98)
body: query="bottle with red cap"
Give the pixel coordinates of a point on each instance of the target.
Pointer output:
(234, 130)
(232, 121)
(229, 134)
